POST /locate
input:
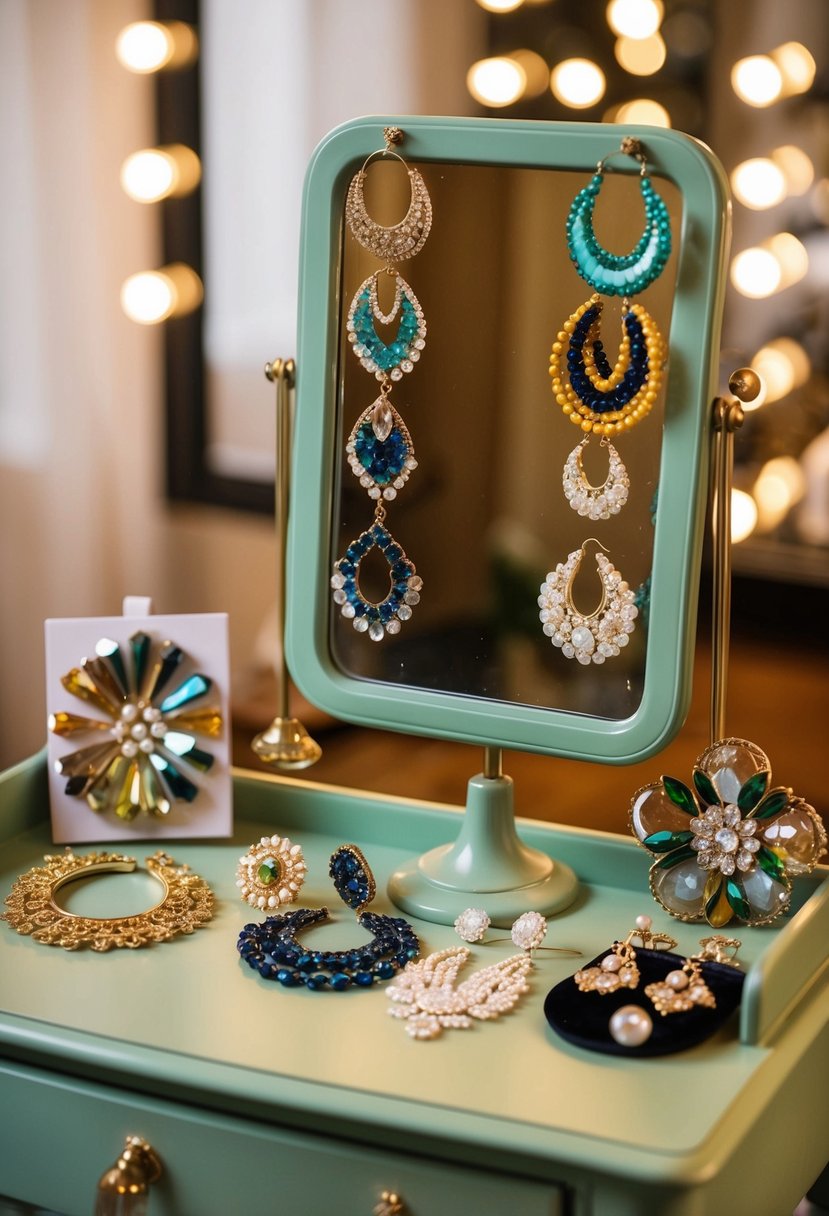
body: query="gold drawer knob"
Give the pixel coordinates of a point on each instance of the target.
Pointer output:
(390, 1204)
(124, 1189)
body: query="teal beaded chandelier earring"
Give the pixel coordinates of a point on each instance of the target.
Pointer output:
(379, 449)
(598, 397)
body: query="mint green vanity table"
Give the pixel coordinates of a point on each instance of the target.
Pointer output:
(257, 1099)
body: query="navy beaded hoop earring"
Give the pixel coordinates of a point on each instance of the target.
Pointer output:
(273, 949)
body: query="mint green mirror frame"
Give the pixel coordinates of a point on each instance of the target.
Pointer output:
(683, 482)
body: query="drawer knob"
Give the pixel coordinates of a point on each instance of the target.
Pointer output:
(124, 1189)
(390, 1204)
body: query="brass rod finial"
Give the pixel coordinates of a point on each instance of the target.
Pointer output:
(279, 369)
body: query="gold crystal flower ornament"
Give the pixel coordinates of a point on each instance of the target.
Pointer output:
(728, 847)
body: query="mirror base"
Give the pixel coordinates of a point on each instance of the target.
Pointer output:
(488, 866)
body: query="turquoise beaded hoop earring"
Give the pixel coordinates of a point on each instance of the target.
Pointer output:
(380, 449)
(619, 274)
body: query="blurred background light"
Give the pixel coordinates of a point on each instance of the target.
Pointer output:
(758, 183)
(500, 6)
(634, 18)
(536, 71)
(782, 365)
(150, 46)
(577, 83)
(640, 56)
(797, 66)
(757, 80)
(756, 273)
(156, 173)
(152, 296)
(780, 484)
(641, 110)
(496, 82)
(144, 46)
(795, 166)
(791, 255)
(743, 515)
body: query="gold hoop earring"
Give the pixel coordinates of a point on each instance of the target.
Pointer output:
(186, 903)
(408, 236)
(587, 637)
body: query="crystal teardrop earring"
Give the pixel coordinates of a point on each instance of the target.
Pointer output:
(379, 449)
(587, 637)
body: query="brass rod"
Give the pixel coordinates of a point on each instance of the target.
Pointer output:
(493, 762)
(282, 372)
(727, 418)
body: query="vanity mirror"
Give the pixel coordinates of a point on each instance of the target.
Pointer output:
(483, 516)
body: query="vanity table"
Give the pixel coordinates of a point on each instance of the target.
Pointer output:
(256, 1098)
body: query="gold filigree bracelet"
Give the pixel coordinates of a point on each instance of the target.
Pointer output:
(186, 904)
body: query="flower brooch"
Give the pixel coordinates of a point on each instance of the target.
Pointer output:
(728, 848)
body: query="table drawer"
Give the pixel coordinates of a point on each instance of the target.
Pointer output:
(60, 1134)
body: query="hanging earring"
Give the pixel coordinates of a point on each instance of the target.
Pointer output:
(595, 502)
(618, 969)
(587, 637)
(380, 449)
(609, 273)
(681, 990)
(596, 396)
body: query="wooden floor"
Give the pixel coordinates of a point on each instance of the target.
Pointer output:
(778, 698)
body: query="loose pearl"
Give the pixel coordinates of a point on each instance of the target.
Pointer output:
(630, 1026)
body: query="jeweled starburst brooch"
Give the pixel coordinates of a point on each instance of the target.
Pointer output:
(133, 764)
(728, 848)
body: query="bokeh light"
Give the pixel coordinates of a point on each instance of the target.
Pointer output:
(500, 6)
(536, 71)
(782, 365)
(757, 80)
(640, 56)
(756, 273)
(791, 255)
(743, 515)
(634, 18)
(496, 82)
(780, 484)
(644, 111)
(144, 46)
(797, 66)
(758, 183)
(796, 167)
(577, 83)
(151, 296)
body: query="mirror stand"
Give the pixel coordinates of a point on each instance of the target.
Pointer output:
(487, 865)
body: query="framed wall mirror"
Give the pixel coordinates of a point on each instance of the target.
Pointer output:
(483, 516)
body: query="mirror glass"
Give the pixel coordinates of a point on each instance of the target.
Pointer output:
(483, 516)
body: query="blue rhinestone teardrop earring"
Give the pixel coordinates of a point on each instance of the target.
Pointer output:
(380, 449)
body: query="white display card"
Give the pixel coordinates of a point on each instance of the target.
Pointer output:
(160, 757)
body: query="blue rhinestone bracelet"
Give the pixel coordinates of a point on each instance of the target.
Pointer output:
(272, 949)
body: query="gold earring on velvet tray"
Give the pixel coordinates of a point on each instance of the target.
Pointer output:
(379, 449)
